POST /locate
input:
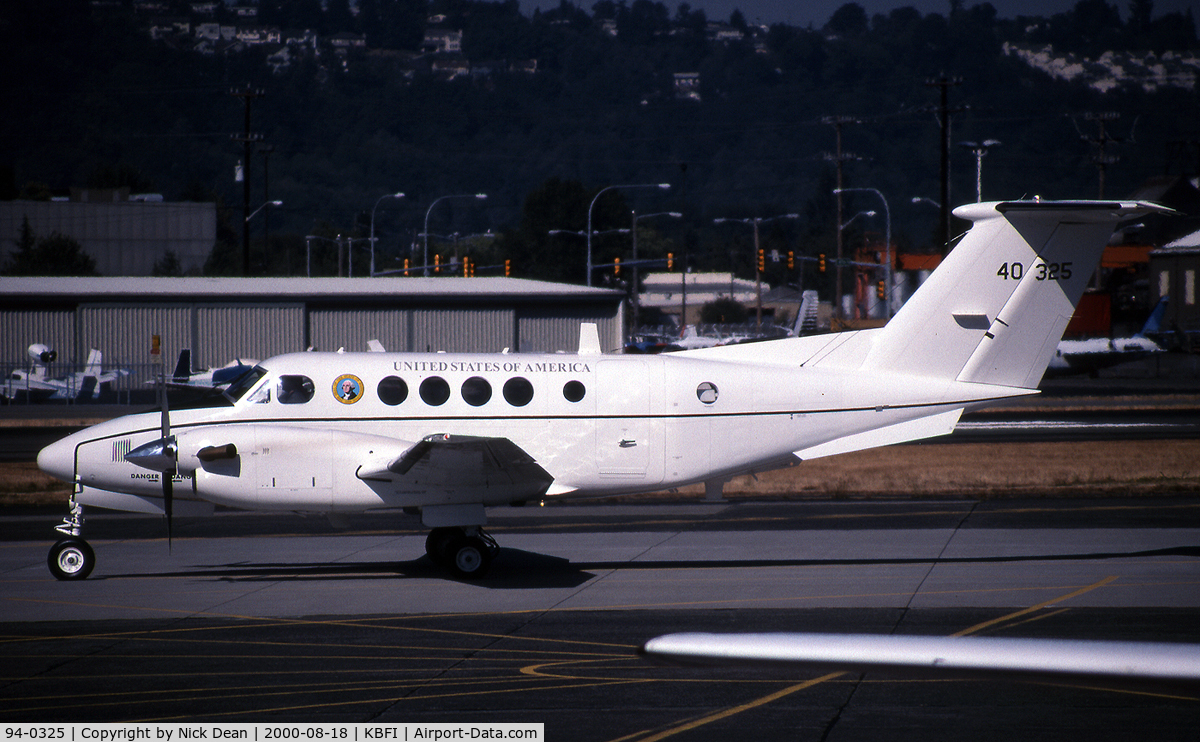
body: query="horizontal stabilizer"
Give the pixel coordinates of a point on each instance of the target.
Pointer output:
(911, 430)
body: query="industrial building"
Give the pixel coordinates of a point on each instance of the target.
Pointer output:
(126, 235)
(221, 319)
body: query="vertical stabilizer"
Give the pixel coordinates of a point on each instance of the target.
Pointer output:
(589, 339)
(994, 311)
(95, 360)
(183, 368)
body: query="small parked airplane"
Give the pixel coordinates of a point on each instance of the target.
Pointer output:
(36, 385)
(183, 377)
(448, 435)
(1091, 355)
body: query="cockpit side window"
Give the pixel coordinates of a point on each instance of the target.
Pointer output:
(240, 387)
(261, 395)
(294, 389)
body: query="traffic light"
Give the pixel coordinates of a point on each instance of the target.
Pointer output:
(437, 264)
(762, 260)
(670, 261)
(466, 267)
(791, 260)
(507, 267)
(880, 292)
(821, 262)
(406, 266)
(616, 267)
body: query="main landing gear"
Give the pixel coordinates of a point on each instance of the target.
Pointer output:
(466, 552)
(71, 558)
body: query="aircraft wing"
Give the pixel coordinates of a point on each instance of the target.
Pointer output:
(1126, 663)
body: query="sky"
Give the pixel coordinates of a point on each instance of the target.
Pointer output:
(816, 13)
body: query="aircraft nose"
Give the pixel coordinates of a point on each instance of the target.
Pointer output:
(58, 459)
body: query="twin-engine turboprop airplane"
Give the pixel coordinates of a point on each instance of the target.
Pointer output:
(448, 435)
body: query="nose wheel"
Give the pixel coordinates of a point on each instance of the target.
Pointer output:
(71, 559)
(467, 553)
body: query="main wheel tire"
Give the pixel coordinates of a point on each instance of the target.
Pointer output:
(438, 542)
(470, 558)
(71, 559)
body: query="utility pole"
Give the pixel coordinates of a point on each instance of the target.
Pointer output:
(944, 111)
(838, 158)
(266, 151)
(1100, 142)
(247, 94)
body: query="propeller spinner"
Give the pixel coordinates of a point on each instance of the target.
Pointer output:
(162, 456)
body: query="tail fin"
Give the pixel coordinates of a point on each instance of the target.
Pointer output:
(183, 368)
(94, 362)
(1154, 321)
(806, 317)
(994, 311)
(87, 390)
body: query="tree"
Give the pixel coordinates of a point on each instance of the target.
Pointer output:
(557, 204)
(56, 255)
(724, 310)
(168, 265)
(848, 20)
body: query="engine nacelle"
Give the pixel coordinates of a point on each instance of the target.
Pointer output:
(42, 353)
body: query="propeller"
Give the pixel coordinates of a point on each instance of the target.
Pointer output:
(161, 455)
(171, 451)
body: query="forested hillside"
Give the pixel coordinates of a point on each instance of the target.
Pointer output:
(553, 106)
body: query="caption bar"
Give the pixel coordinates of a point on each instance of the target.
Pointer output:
(270, 732)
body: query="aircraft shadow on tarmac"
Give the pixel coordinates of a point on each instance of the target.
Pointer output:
(515, 569)
(1192, 551)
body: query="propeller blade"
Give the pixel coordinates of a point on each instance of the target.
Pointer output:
(168, 492)
(170, 450)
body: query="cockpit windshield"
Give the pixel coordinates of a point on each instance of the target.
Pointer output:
(239, 387)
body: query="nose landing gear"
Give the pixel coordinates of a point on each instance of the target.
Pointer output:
(71, 558)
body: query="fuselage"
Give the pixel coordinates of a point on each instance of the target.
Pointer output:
(308, 425)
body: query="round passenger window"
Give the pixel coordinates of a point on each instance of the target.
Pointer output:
(574, 391)
(476, 391)
(435, 391)
(707, 392)
(518, 392)
(392, 390)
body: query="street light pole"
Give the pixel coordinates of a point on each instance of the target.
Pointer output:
(376, 206)
(663, 186)
(479, 196)
(887, 270)
(246, 227)
(634, 268)
(757, 273)
(979, 150)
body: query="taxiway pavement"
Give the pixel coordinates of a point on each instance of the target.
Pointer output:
(251, 617)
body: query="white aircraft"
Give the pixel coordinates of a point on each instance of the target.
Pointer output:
(1090, 355)
(448, 435)
(36, 385)
(183, 377)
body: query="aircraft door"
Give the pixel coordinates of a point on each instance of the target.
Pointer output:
(624, 431)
